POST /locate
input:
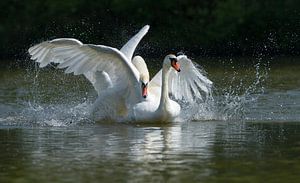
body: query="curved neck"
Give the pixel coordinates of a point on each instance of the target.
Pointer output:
(164, 98)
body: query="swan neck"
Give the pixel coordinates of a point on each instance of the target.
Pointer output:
(164, 89)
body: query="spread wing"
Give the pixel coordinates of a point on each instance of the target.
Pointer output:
(129, 48)
(91, 60)
(189, 84)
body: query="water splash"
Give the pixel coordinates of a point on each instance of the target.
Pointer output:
(57, 114)
(36, 114)
(232, 101)
(51, 98)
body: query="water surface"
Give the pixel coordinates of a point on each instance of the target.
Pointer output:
(250, 134)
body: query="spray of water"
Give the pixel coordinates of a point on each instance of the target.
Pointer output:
(56, 115)
(55, 99)
(232, 101)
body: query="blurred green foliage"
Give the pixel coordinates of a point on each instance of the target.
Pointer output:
(202, 27)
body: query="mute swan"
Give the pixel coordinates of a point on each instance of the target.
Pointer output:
(111, 72)
(189, 86)
(161, 109)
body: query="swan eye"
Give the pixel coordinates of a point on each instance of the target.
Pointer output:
(144, 89)
(173, 59)
(144, 85)
(175, 64)
(179, 53)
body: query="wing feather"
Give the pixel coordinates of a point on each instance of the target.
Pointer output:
(129, 48)
(38, 54)
(35, 49)
(81, 58)
(68, 60)
(188, 85)
(42, 56)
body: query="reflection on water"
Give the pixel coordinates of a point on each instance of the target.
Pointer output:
(46, 134)
(195, 151)
(104, 150)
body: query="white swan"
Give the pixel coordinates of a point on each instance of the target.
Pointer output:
(159, 108)
(114, 77)
(189, 86)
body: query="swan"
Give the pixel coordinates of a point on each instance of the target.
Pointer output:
(111, 72)
(164, 109)
(188, 87)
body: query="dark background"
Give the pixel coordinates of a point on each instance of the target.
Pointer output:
(206, 28)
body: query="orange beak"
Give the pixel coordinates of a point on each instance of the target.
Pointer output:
(175, 65)
(144, 91)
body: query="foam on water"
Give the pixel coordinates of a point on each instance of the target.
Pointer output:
(34, 114)
(58, 114)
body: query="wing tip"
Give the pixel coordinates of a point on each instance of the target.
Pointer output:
(146, 28)
(32, 48)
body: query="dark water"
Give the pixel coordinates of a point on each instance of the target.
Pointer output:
(250, 134)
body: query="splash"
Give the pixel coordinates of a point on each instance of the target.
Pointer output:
(57, 114)
(35, 114)
(232, 100)
(51, 98)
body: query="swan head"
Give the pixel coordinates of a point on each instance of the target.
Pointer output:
(171, 61)
(141, 66)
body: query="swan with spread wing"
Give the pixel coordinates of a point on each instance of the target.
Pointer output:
(111, 72)
(122, 83)
(181, 79)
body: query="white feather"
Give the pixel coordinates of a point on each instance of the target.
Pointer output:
(188, 85)
(129, 48)
(80, 58)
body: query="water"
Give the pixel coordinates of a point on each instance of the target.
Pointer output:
(250, 133)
